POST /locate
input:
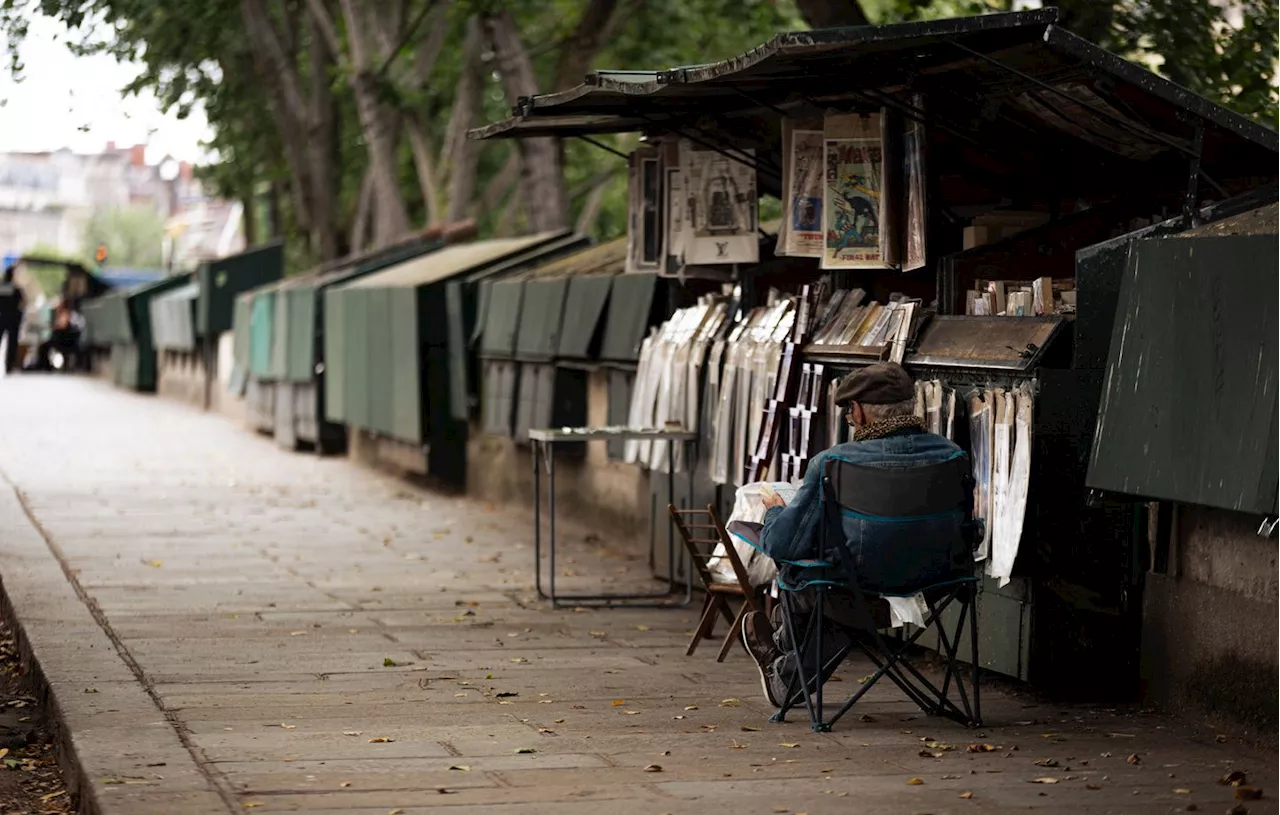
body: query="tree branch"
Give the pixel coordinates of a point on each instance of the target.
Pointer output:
(422, 162)
(324, 22)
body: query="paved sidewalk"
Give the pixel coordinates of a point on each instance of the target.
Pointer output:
(231, 627)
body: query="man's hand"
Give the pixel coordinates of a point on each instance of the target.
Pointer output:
(771, 499)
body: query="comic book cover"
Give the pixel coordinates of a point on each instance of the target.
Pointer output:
(802, 233)
(852, 207)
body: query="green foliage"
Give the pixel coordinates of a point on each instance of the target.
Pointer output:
(134, 236)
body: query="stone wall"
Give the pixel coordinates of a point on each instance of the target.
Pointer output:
(1210, 639)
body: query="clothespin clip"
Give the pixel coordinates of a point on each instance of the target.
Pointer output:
(1268, 527)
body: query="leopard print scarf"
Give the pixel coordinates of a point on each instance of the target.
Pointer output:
(878, 430)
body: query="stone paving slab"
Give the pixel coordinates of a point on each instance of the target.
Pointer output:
(220, 646)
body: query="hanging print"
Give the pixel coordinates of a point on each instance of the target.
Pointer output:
(852, 206)
(722, 208)
(802, 224)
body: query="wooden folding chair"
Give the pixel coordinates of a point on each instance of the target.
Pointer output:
(702, 530)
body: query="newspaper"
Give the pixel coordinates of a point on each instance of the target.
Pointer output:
(802, 205)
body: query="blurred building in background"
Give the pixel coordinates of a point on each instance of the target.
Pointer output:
(48, 199)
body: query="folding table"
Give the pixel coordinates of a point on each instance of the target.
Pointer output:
(543, 442)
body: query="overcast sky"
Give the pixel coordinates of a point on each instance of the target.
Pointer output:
(62, 93)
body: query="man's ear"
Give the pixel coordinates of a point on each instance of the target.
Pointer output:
(855, 410)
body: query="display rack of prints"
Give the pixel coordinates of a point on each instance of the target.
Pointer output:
(913, 169)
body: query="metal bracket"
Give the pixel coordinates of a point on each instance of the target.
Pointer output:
(1268, 527)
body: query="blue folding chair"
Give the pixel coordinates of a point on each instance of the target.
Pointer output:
(912, 533)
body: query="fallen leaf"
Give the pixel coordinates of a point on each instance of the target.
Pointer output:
(380, 740)
(736, 745)
(345, 784)
(981, 748)
(1182, 791)
(388, 662)
(730, 703)
(460, 768)
(1220, 739)
(619, 702)
(1133, 759)
(548, 731)
(519, 660)
(1248, 794)
(691, 707)
(653, 768)
(966, 795)
(788, 744)
(289, 726)
(251, 804)
(1234, 778)
(1047, 762)
(90, 690)
(750, 728)
(931, 754)
(642, 628)
(506, 694)
(396, 812)
(351, 732)
(155, 564)
(525, 750)
(1093, 787)
(598, 634)
(1045, 781)
(632, 712)
(915, 782)
(52, 795)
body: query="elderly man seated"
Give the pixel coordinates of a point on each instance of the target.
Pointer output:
(879, 402)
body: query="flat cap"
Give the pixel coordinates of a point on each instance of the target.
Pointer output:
(884, 383)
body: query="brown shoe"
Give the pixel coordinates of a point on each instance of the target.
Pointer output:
(757, 636)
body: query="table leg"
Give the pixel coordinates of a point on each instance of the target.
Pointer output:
(551, 511)
(671, 538)
(535, 451)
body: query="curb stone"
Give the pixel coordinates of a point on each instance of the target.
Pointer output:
(119, 753)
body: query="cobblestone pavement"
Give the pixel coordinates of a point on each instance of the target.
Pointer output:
(227, 626)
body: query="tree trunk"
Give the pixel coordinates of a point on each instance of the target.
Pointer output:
(1089, 19)
(423, 163)
(832, 13)
(249, 214)
(542, 170)
(360, 221)
(322, 145)
(501, 183)
(377, 124)
(460, 156)
(580, 50)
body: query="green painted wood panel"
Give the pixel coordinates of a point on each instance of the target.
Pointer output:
(630, 314)
(541, 318)
(583, 310)
(404, 364)
(357, 351)
(221, 280)
(502, 322)
(302, 334)
(378, 303)
(279, 335)
(261, 319)
(1189, 412)
(335, 355)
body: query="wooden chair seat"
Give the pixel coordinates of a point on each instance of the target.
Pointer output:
(702, 532)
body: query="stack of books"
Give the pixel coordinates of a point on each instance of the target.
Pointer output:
(1019, 298)
(847, 324)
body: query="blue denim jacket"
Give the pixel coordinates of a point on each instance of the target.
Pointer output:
(791, 533)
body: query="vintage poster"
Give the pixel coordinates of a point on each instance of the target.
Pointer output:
(723, 208)
(802, 207)
(852, 205)
(913, 177)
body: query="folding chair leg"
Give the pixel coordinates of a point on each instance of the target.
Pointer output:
(733, 636)
(707, 622)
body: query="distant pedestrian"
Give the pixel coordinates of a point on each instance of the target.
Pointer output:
(12, 303)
